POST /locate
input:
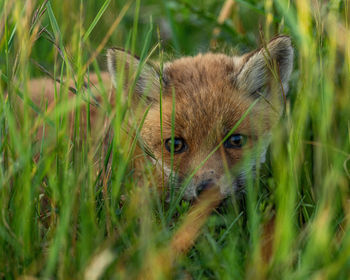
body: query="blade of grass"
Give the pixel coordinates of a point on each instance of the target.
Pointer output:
(96, 19)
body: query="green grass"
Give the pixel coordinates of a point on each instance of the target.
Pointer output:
(63, 217)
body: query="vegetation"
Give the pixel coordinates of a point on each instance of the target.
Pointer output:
(64, 216)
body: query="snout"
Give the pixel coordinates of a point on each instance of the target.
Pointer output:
(204, 185)
(204, 180)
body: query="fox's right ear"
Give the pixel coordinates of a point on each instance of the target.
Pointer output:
(269, 65)
(131, 71)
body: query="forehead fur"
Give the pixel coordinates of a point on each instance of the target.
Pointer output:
(203, 70)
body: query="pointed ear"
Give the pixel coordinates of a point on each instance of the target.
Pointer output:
(267, 68)
(128, 69)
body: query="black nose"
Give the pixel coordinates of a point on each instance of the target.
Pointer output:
(204, 185)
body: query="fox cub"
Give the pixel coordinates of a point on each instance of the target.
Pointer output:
(220, 109)
(213, 93)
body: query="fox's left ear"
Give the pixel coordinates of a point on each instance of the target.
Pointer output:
(128, 69)
(268, 67)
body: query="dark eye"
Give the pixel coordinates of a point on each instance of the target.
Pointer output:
(235, 141)
(179, 145)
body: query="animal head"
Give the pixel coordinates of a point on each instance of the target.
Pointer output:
(218, 108)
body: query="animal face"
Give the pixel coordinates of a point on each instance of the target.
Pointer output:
(215, 110)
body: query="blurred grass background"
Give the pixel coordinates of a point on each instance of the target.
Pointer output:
(64, 217)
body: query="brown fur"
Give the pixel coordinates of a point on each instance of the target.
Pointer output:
(212, 93)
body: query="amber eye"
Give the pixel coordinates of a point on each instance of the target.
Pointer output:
(235, 141)
(179, 145)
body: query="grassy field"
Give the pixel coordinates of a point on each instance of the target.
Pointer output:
(63, 216)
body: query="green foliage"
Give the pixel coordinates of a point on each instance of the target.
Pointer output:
(64, 216)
